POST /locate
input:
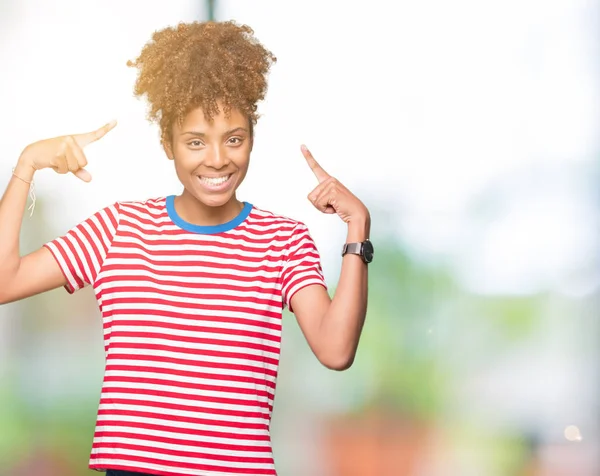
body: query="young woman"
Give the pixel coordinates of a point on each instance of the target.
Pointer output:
(191, 287)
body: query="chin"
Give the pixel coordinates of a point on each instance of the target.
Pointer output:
(214, 202)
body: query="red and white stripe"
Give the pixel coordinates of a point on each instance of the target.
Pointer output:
(192, 330)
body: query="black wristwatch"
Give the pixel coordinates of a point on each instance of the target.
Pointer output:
(363, 249)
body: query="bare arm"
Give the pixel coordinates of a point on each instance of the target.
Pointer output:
(333, 327)
(37, 272)
(34, 273)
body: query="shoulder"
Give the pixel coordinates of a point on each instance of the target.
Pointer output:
(149, 205)
(150, 208)
(136, 212)
(285, 225)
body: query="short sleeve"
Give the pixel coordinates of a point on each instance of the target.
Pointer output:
(81, 252)
(303, 265)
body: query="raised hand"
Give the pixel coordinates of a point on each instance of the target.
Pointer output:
(330, 196)
(63, 154)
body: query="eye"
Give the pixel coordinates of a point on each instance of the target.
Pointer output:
(196, 143)
(235, 140)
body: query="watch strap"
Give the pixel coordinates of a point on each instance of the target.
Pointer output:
(352, 248)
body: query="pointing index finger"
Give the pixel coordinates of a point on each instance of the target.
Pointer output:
(89, 137)
(314, 166)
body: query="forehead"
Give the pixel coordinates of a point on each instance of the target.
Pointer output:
(196, 120)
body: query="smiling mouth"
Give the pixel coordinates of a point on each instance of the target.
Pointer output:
(214, 181)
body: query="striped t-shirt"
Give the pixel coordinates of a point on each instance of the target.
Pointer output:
(192, 332)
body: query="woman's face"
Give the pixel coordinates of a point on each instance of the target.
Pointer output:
(211, 157)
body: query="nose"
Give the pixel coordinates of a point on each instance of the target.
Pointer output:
(216, 157)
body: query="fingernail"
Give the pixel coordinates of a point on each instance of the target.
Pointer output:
(304, 148)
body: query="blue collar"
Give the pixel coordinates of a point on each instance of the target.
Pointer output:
(207, 230)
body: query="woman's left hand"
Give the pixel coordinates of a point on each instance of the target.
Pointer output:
(330, 196)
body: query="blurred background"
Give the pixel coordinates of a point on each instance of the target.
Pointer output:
(471, 131)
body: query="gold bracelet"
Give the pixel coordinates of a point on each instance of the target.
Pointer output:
(31, 191)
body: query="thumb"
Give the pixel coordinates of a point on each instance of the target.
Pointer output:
(83, 175)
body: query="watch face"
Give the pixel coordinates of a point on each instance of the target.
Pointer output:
(368, 251)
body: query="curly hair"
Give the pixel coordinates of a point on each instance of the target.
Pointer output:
(197, 64)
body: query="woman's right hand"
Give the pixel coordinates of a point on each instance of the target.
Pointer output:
(62, 154)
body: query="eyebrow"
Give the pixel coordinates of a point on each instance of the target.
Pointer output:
(226, 133)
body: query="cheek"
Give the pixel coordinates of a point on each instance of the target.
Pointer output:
(184, 163)
(185, 158)
(181, 172)
(242, 158)
(179, 151)
(242, 166)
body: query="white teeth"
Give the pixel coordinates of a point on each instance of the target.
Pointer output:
(215, 180)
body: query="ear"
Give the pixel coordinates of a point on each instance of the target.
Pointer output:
(168, 148)
(251, 130)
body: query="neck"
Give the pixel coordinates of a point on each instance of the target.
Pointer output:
(192, 210)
